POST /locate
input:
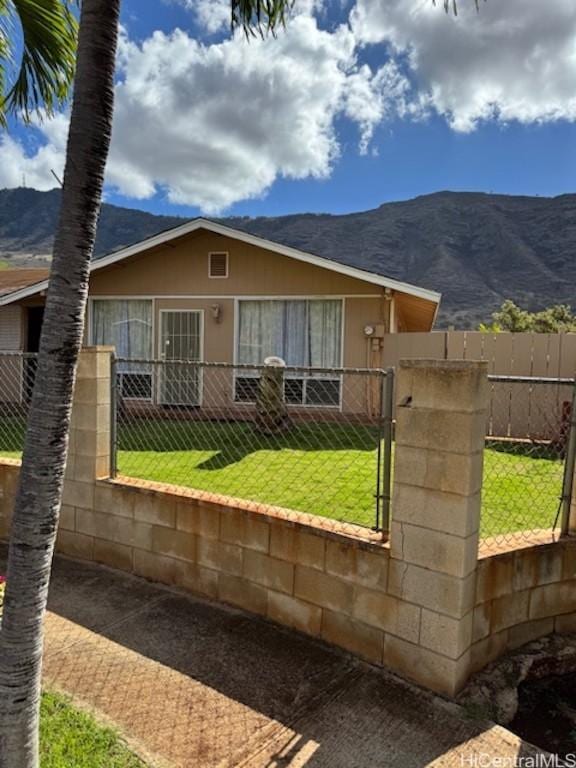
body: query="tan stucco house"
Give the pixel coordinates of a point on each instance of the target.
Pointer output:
(204, 291)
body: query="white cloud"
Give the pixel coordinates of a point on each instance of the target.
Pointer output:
(370, 98)
(210, 125)
(35, 168)
(514, 60)
(214, 124)
(215, 15)
(212, 15)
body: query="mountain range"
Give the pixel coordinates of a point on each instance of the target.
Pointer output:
(476, 249)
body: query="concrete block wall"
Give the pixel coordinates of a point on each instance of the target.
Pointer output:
(522, 595)
(440, 418)
(422, 605)
(325, 583)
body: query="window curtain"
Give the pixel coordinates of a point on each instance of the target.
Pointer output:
(325, 334)
(302, 333)
(124, 324)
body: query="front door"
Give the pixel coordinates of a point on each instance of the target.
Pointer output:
(35, 317)
(180, 344)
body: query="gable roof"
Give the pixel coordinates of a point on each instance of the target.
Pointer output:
(236, 234)
(15, 279)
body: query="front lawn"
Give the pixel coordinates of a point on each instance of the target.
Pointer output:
(326, 469)
(12, 431)
(70, 738)
(521, 491)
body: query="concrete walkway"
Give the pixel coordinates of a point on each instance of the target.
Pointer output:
(196, 684)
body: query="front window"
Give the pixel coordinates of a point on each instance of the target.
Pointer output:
(306, 333)
(126, 324)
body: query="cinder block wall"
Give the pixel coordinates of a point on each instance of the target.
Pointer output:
(423, 605)
(521, 596)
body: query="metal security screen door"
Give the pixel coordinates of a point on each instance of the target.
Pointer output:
(180, 340)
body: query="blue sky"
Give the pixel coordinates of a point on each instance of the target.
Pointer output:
(356, 104)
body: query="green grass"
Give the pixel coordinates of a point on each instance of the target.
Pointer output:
(327, 470)
(521, 489)
(70, 738)
(12, 429)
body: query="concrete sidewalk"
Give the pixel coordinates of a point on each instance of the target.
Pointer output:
(196, 684)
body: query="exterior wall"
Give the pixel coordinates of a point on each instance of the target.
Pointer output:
(219, 336)
(424, 605)
(12, 373)
(252, 272)
(14, 324)
(523, 595)
(180, 268)
(11, 328)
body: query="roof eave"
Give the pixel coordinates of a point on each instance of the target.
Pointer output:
(216, 227)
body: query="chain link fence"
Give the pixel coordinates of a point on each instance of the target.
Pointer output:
(316, 441)
(17, 374)
(527, 462)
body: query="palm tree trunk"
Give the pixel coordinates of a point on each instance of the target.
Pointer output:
(37, 505)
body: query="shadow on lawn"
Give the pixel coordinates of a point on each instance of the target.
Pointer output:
(232, 442)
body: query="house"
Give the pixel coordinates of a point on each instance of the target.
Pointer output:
(206, 292)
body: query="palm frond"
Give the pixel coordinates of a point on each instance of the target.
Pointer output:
(4, 56)
(44, 69)
(453, 5)
(259, 16)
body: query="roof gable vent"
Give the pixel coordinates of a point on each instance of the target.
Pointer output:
(218, 264)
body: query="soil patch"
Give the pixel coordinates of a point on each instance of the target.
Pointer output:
(546, 714)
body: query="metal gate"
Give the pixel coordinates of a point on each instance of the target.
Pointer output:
(330, 453)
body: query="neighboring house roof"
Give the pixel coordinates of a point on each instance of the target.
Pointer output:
(12, 280)
(221, 229)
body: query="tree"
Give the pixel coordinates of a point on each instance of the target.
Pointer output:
(48, 30)
(37, 504)
(44, 72)
(43, 76)
(555, 319)
(510, 317)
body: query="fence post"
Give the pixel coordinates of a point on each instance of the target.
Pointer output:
(89, 449)
(89, 454)
(384, 453)
(113, 416)
(439, 448)
(568, 483)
